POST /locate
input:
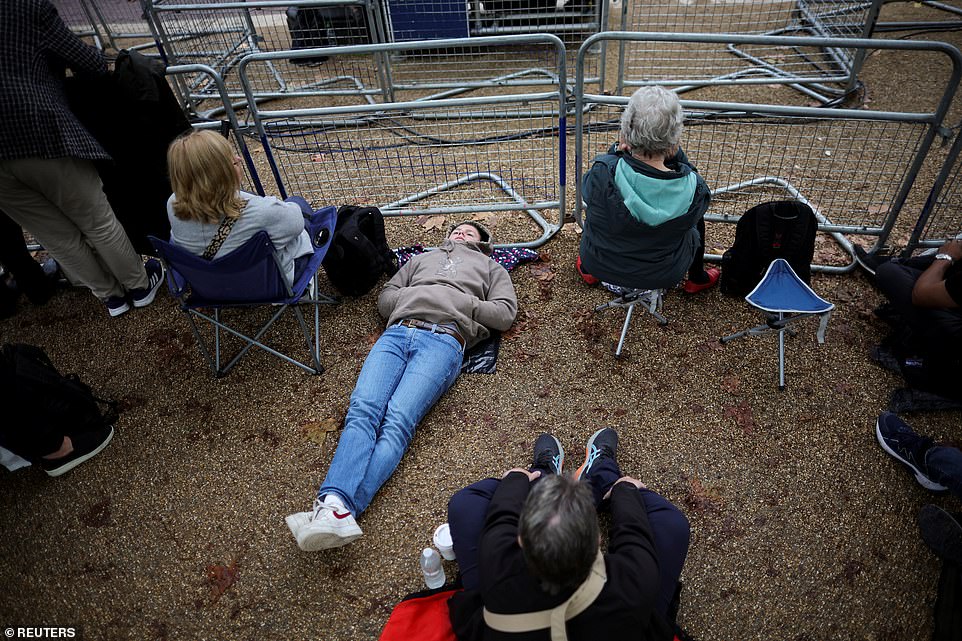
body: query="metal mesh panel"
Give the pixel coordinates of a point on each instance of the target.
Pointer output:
(941, 219)
(218, 34)
(123, 24)
(848, 170)
(408, 20)
(854, 167)
(482, 153)
(394, 157)
(705, 62)
(77, 17)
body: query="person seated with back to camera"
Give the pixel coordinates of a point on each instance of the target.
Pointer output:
(645, 203)
(437, 305)
(205, 175)
(529, 543)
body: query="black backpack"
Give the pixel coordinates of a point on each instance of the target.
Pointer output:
(359, 254)
(782, 229)
(36, 393)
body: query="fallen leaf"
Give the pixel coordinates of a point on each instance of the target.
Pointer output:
(431, 222)
(742, 413)
(702, 498)
(221, 578)
(731, 383)
(316, 431)
(542, 271)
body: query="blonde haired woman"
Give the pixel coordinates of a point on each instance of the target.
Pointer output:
(205, 175)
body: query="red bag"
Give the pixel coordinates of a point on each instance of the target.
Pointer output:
(422, 616)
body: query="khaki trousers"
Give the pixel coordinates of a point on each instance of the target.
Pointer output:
(61, 202)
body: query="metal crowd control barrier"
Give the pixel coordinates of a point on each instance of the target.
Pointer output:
(931, 6)
(941, 218)
(483, 153)
(79, 19)
(820, 71)
(238, 132)
(571, 20)
(121, 25)
(218, 34)
(854, 167)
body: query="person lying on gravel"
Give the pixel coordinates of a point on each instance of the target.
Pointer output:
(438, 304)
(645, 204)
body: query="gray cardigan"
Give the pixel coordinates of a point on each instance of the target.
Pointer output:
(282, 221)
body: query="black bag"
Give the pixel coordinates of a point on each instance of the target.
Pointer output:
(325, 27)
(358, 254)
(36, 392)
(782, 229)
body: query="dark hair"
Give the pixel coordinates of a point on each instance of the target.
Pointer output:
(559, 532)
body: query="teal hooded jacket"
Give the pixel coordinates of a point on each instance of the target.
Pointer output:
(640, 227)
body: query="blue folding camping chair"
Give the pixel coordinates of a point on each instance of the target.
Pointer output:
(786, 299)
(249, 276)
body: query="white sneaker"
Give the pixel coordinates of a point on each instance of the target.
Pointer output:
(323, 528)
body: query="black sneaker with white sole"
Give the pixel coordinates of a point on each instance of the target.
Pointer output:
(548, 454)
(603, 443)
(898, 439)
(155, 276)
(86, 445)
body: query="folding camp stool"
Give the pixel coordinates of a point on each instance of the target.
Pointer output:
(650, 300)
(786, 299)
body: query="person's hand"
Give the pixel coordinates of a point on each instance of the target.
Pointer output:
(953, 248)
(531, 475)
(625, 479)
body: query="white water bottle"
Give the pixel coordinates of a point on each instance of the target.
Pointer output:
(431, 567)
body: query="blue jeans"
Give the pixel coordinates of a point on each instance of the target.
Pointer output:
(405, 374)
(468, 509)
(944, 466)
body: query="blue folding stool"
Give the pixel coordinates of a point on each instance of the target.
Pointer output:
(786, 298)
(249, 276)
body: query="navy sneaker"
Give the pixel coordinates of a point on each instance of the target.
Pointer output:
(86, 445)
(942, 532)
(117, 305)
(898, 439)
(548, 454)
(155, 276)
(604, 442)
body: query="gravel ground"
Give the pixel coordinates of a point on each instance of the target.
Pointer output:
(802, 528)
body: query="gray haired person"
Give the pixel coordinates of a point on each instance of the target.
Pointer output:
(529, 551)
(645, 203)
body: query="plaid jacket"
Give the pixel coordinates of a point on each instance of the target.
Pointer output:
(36, 47)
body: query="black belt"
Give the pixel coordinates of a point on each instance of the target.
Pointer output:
(433, 327)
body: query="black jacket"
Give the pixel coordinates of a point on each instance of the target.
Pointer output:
(623, 610)
(619, 248)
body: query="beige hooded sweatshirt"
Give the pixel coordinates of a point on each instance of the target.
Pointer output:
(455, 283)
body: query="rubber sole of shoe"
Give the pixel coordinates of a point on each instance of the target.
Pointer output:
(923, 480)
(66, 467)
(941, 532)
(118, 311)
(316, 541)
